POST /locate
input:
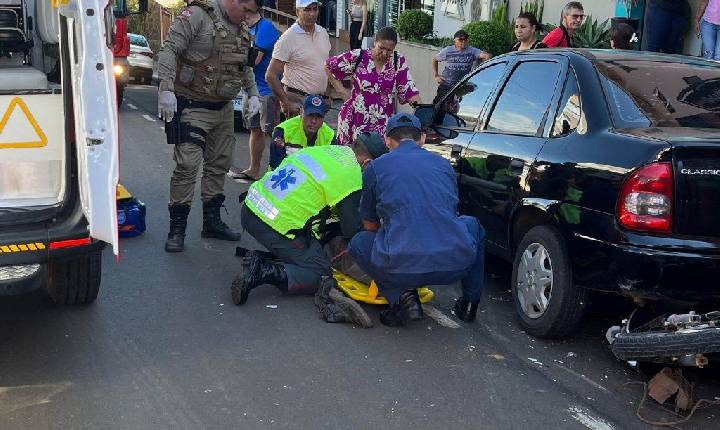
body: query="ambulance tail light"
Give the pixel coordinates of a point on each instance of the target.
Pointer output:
(61, 244)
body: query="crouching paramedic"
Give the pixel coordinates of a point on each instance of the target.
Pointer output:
(413, 235)
(202, 66)
(302, 131)
(278, 212)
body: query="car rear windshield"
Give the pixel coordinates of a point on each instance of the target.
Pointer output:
(645, 93)
(138, 40)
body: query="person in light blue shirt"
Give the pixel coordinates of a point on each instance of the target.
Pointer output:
(262, 123)
(413, 236)
(459, 59)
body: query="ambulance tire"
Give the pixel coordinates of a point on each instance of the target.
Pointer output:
(75, 280)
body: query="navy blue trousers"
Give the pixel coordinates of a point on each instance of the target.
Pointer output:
(664, 30)
(392, 285)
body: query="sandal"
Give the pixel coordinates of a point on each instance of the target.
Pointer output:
(241, 177)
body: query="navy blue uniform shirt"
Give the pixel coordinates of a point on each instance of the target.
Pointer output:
(413, 194)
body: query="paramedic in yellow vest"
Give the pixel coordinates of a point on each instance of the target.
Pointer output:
(278, 212)
(302, 131)
(202, 66)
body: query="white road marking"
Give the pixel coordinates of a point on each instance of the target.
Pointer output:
(149, 118)
(132, 106)
(440, 317)
(589, 421)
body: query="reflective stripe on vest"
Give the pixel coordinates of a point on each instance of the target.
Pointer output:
(295, 135)
(302, 185)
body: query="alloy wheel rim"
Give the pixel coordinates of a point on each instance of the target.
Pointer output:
(534, 280)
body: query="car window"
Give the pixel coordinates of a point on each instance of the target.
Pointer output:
(667, 93)
(138, 40)
(468, 99)
(625, 112)
(570, 116)
(525, 99)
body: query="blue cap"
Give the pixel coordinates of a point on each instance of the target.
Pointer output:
(402, 120)
(314, 105)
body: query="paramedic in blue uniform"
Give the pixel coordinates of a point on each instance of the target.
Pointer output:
(413, 236)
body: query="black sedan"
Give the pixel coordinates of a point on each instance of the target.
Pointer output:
(590, 170)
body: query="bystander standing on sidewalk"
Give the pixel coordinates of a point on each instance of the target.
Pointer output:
(573, 15)
(378, 76)
(707, 25)
(621, 36)
(357, 12)
(460, 58)
(261, 124)
(526, 27)
(299, 56)
(667, 22)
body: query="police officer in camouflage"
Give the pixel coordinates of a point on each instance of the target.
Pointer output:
(202, 67)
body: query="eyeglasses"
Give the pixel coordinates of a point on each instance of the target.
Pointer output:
(577, 17)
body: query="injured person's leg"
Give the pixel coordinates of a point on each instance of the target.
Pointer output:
(340, 260)
(336, 307)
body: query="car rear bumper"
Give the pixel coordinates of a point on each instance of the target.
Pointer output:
(42, 243)
(645, 267)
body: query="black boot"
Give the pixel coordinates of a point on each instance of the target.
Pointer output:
(407, 308)
(213, 225)
(336, 307)
(465, 310)
(258, 272)
(178, 222)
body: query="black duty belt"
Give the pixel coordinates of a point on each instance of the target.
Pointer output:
(200, 104)
(295, 91)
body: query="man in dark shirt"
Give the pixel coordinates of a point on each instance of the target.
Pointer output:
(413, 235)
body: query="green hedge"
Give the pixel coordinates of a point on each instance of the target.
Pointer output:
(489, 36)
(414, 24)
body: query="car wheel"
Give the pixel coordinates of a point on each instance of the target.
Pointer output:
(547, 302)
(75, 280)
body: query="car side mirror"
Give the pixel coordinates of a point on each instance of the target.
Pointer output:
(425, 113)
(449, 119)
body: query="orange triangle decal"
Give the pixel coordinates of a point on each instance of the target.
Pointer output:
(8, 141)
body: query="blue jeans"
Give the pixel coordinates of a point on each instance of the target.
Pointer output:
(710, 34)
(664, 30)
(392, 285)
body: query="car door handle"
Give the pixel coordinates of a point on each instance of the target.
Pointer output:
(516, 166)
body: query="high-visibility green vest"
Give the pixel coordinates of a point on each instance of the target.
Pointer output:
(303, 184)
(295, 135)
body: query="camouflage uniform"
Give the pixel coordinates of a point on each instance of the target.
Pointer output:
(204, 61)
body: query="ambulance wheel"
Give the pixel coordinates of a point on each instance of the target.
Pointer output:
(75, 280)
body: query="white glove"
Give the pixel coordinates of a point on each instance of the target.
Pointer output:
(253, 106)
(167, 105)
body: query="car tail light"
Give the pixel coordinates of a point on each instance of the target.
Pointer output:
(646, 199)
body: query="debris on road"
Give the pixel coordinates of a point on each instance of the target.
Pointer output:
(498, 357)
(271, 306)
(667, 383)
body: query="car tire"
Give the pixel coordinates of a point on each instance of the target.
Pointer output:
(546, 310)
(75, 280)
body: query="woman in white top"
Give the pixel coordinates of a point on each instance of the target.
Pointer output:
(358, 19)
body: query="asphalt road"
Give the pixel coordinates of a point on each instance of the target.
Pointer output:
(164, 347)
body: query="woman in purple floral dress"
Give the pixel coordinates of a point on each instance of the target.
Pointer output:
(378, 74)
